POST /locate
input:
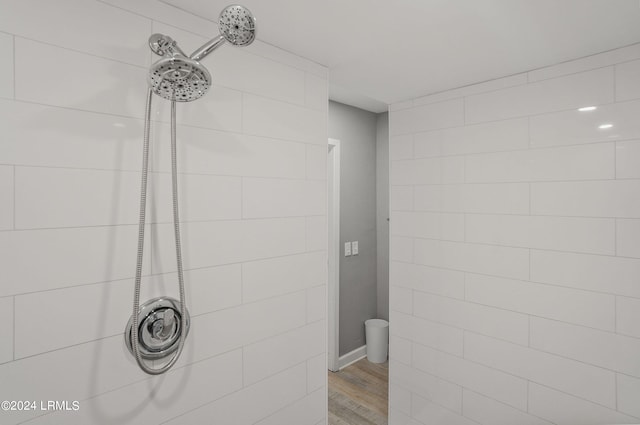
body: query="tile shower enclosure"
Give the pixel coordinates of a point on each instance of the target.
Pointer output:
(515, 245)
(515, 226)
(252, 157)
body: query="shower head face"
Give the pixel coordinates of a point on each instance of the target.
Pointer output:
(237, 25)
(179, 78)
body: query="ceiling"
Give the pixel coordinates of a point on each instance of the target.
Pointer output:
(383, 51)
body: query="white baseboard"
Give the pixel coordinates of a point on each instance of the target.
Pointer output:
(352, 357)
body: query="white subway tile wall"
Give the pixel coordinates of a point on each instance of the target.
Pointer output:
(6, 69)
(628, 159)
(252, 403)
(317, 373)
(6, 329)
(7, 183)
(628, 80)
(515, 247)
(252, 163)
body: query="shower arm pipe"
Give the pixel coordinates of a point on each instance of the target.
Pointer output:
(207, 48)
(163, 45)
(173, 49)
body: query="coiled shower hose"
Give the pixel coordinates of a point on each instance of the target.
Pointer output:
(135, 343)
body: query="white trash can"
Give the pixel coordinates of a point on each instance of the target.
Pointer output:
(377, 339)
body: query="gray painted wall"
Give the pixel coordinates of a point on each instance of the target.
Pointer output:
(382, 213)
(356, 130)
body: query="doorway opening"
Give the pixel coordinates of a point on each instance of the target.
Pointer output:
(357, 289)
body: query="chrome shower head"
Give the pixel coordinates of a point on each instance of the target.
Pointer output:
(176, 77)
(237, 25)
(179, 78)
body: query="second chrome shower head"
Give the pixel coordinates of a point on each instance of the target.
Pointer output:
(183, 78)
(237, 27)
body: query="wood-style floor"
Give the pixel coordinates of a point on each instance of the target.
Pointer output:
(358, 394)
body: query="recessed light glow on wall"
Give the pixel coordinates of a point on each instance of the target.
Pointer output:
(588, 108)
(605, 126)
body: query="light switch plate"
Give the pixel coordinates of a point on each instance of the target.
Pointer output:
(354, 248)
(347, 249)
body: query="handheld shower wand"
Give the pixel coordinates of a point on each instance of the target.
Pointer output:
(158, 328)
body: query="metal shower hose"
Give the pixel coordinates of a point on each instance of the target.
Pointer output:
(135, 344)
